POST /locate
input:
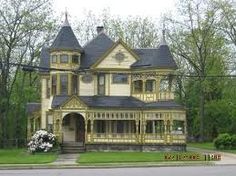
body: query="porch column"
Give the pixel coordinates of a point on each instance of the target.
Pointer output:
(144, 129)
(91, 127)
(144, 86)
(153, 127)
(165, 131)
(185, 128)
(86, 130)
(137, 131)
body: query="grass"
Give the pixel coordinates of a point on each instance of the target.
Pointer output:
(205, 145)
(209, 146)
(128, 157)
(21, 156)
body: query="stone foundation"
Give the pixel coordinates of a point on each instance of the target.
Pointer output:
(135, 147)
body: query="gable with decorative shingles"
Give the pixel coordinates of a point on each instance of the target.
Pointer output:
(119, 56)
(73, 103)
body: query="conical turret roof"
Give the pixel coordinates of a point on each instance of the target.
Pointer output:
(66, 39)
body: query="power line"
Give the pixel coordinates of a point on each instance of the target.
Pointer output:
(31, 68)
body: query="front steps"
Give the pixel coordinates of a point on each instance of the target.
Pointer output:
(72, 147)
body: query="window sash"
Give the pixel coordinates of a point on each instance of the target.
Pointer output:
(75, 59)
(120, 78)
(150, 86)
(138, 86)
(64, 58)
(54, 84)
(101, 84)
(74, 84)
(64, 84)
(54, 58)
(47, 88)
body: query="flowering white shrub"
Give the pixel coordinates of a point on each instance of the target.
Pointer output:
(41, 141)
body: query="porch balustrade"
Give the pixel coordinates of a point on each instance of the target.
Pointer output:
(135, 138)
(113, 137)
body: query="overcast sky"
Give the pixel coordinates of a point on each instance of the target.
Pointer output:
(123, 8)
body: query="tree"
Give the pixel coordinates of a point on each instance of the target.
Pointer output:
(137, 32)
(24, 24)
(202, 51)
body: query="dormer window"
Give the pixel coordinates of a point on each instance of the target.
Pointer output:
(75, 59)
(64, 58)
(54, 58)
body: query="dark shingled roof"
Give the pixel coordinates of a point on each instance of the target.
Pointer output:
(111, 101)
(44, 60)
(59, 100)
(149, 58)
(66, 40)
(94, 49)
(117, 102)
(164, 105)
(32, 107)
(157, 57)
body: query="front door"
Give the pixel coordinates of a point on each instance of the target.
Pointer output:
(80, 129)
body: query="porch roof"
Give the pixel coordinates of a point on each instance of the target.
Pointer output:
(122, 102)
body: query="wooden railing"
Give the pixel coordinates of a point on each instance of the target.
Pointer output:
(166, 95)
(149, 97)
(112, 137)
(134, 138)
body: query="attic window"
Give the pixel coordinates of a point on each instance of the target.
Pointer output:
(64, 58)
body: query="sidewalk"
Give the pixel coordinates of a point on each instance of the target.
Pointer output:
(226, 158)
(66, 159)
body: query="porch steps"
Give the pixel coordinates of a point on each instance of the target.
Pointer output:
(72, 147)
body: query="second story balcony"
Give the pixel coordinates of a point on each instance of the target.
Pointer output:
(152, 89)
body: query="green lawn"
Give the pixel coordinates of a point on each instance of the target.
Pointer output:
(21, 156)
(128, 157)
(205, 145)
(209, 146)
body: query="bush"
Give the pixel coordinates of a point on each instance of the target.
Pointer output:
(233, 142)
(223, 141)
(41, 141)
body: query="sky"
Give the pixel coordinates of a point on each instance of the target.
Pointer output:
(123, 8)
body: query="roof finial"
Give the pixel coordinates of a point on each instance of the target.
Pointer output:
(66, 22)
(163, 40)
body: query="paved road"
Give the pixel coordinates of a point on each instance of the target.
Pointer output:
(151, 171)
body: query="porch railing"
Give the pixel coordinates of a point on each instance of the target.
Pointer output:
(112, 137)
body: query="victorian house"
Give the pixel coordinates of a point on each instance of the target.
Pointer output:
(108, 96)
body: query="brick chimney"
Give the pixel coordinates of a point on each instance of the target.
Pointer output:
(100, 29)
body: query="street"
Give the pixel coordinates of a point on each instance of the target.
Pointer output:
(148, 171)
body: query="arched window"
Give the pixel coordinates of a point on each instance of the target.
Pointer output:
(138, 86)
(150, 85)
